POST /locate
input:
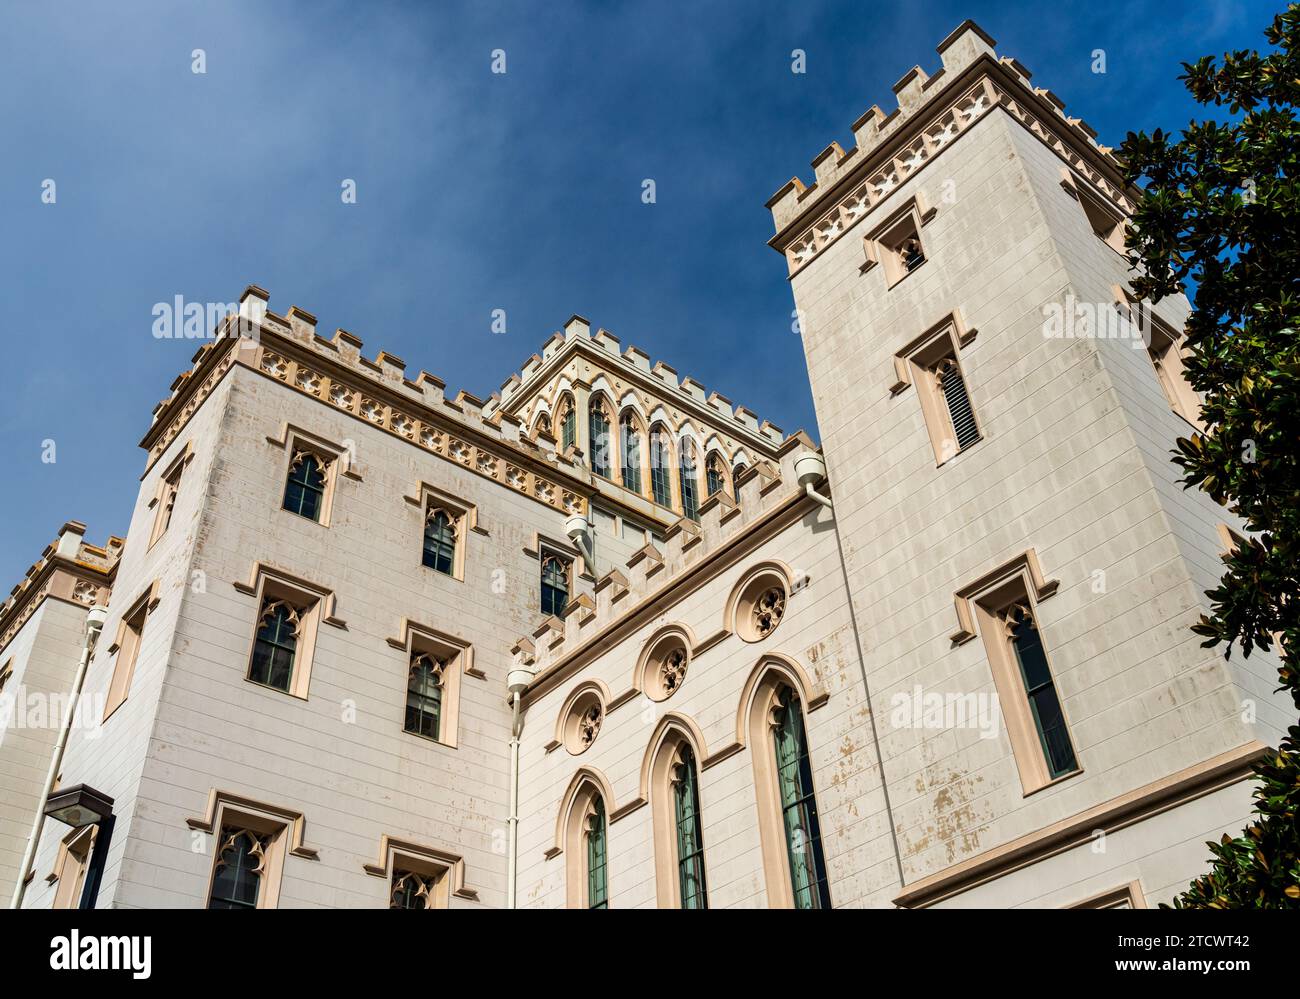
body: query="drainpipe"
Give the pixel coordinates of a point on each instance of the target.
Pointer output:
(95, 618)
(809, 469)
(517, 680)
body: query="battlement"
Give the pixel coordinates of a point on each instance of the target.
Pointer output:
(632, 361)
(931, 112)
(70, 568)
(623, 591)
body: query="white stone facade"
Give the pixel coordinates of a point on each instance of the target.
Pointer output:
(1066, 503)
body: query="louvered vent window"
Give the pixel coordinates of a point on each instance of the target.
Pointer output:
(958, 402)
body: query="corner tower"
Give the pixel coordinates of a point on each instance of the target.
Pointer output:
(996, 417)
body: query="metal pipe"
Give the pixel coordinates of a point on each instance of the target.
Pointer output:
(512, 823)
(95, 618)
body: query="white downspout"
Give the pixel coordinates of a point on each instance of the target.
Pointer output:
(95, 618)
(517, 680)
(810, 468)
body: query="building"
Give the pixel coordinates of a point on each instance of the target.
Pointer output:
(607, 640)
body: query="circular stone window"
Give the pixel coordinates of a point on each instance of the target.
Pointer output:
(665, 670)
(761, 607)
(583, 722)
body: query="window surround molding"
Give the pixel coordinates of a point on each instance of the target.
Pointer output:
(164, 498)
(755, 583)
(653, 675)
(337, 459)
(979, 606)
(317, 604)
(447, 867)
(1094, 206)
(427, 498)
(580, 719)
(285, 827)
(126, 647)
(415, 638)
(1126, 896)
(754, 727)
(586, 786)
(1164, 347)
(71, 865)
(672, 732)
(915, 364)
(543, 544)
(878, 244)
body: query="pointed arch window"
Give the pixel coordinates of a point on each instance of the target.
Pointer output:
(241, 865)
(304, 491)
(630, 437)
(661, 466)
(799, 804)
(715, 476)
(543, 425)
(597, 856)
(598, 431)
(735, 480)
(555, 585)
(568, 423)
(690, 838)
(277, 645)
(424, 696)
(689, 482)
(440, 542)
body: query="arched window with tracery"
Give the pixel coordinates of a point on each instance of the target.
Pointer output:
(276, 646)
(735, 480)
(630, 438)
(800, 821)
(555, 585)
(568, 423)
(424, 696)
(689, 480)
(597, 857)
(240, 867)
(685, 781)
(598, 432)
(304, 490)
(661, 459)
(440, 542)
(715, 474)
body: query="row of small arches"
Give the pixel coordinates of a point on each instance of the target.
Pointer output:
(623, 458)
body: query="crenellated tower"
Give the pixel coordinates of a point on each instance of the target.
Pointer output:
(996, 414)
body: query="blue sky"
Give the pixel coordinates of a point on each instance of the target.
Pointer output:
(475, 191)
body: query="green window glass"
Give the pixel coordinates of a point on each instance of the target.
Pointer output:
(597, 865)
(690, 487)
(660, 459)
(598, 431)
(304, 492)
(568, 426)
(237, 880)
(1041, 691)
(276, 645)
(440, 543)
(714, 479)
(690, 839)
(555, 585)
(799, 806)
(631, 454)
(424, 696)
